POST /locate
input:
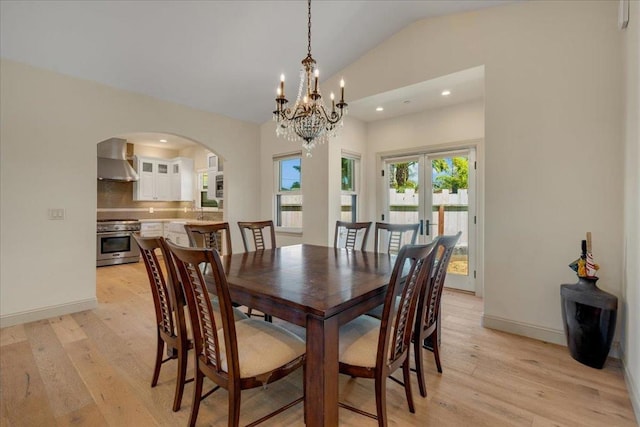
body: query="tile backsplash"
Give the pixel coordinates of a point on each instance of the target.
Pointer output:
(113, 194)
(117, 199)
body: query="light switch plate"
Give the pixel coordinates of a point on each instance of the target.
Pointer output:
(56, 213)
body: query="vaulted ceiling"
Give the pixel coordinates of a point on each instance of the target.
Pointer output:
(220, 56)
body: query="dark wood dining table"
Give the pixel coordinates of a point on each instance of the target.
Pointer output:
(319, 288)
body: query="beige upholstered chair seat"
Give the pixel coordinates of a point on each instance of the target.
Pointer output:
(359, 342)
(262, 347)
(237, 314)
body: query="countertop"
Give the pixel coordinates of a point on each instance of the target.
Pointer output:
(181, 220)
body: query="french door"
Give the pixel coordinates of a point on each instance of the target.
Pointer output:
(436, 190)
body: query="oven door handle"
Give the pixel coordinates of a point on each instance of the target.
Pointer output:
(115, 234)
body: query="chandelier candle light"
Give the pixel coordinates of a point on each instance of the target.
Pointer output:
(309, 120)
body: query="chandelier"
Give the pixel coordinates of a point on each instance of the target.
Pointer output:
(308, 120)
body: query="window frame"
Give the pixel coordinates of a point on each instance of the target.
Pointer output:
(278, 192)
(354, 192)
(202, 189)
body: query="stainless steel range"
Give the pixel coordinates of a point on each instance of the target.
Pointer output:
(114, 242)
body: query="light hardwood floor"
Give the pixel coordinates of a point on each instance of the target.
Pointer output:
(94, 369)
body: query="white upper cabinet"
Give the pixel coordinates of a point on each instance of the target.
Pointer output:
(164, 180)
(182, 179)
(144, 188)
(212, 163)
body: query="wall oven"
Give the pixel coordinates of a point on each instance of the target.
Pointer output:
(114, 242)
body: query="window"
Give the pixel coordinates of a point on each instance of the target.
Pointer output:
(288, 191)
(349, 185)
(203, 186)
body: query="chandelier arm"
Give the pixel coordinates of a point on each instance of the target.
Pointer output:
(299, 112)
(289, 114)
(328, 116)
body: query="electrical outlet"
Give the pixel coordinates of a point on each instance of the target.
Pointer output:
(150, 210)
(55, 213)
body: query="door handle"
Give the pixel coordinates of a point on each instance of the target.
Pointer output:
(428, 227)
(421, 227)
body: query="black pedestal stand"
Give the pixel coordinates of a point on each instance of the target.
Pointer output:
(589, 316)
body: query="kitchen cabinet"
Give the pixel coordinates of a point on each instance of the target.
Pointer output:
(163, 180)
(215, 174)
(154, 180)
(219, 186)
(182, 179)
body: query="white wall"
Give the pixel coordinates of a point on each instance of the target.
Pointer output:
(199, 155)
(631, 276)
(320, 180)
(50, 127)
(160, 153)
(553, 141)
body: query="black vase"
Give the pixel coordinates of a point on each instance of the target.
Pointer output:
(589, 315)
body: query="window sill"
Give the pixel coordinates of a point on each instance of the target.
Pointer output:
(289, 231)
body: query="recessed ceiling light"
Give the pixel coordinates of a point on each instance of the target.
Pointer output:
(379, 109)
(446, 92)
(163, 140)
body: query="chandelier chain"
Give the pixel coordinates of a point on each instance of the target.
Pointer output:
(309, 29)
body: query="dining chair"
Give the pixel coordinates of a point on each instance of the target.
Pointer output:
(377, 311)
(257, 228)
(351, 231)
(241, 355)
(373, 348)
(169, 300)
(395, 235)
(216, 236)
(427, 327)
(170, 319)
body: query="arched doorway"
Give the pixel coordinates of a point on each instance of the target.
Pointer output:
(173, 180)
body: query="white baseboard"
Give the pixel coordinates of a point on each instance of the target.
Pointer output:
(540, 333)
(525, 329)
(632, 387)
(47, 312)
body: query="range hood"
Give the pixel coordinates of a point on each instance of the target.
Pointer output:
(112, 161)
